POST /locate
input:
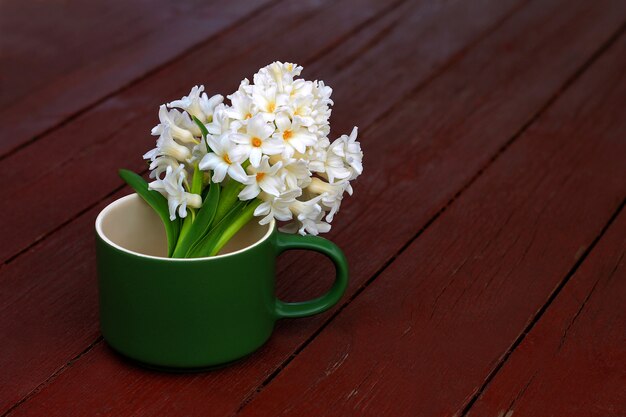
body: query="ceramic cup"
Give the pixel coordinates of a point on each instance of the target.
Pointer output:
(190, 314)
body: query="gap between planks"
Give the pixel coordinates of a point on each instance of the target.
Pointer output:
(566, 85)
(535, 319)
(54, 376)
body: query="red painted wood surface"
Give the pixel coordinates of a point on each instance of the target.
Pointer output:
(457, 91)
(59, 58)
(425, 334)
(573, 362)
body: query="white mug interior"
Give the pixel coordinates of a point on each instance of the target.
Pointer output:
(131, 225)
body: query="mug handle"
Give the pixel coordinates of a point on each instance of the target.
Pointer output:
(318, 305)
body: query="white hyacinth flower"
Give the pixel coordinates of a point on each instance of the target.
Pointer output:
(300, 90)
(180, 125)
(300, 103)
(278, 128)
(309, 215)
(257, 141)
(335, 167)
(242, 107)
(331, 194)
(309, 208)
(159, 166)
(223, 160)
(167, 146)
(276, 207)
(198, 104)
(264, 178)
(313, 225)
(278, 73)
(321, 109)
(171, 187)
(295, 137)
(349, 149)
(295, 173)
(221, 123)
(267, 100)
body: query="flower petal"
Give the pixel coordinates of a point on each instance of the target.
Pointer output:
(237, 173)
(219, 172)
(249, 192)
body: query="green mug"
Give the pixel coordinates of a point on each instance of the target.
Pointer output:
(192, 314)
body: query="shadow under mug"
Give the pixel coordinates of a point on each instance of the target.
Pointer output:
(193, 314)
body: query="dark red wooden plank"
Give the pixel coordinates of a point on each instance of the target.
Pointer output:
(449, 114)
(573, 362)
(58, 58)
(422, 338)
(72, 283)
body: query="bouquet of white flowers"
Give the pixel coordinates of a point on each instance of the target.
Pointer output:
(267, 154)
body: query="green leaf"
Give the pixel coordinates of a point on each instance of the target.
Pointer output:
(184, 230)
(204, 131)
(207, 245)
(157, 202)
(201, 224)
(197, 181)
(228, 197)
(201, 126)
(245, 215)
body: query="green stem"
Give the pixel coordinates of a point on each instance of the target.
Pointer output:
(197, 181)
(228, 197)
(179, 250)
(247, 213)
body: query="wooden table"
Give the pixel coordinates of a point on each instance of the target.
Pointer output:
(486, 237)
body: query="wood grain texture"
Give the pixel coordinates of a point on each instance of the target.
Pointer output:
(120, 143)
(76, 284)
(456, 110)
(573, 362)
(60, 57)
(420, 340)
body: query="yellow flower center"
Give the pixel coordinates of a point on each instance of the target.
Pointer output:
(271, 107)
(259, 176)
(247, 116)
(227, 159)
(287, 134)
(256, 142)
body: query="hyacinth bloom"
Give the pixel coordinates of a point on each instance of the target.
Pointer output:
(267, 151)
(224, 160)
(262, 178)
(178, 198)
(256, 140)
